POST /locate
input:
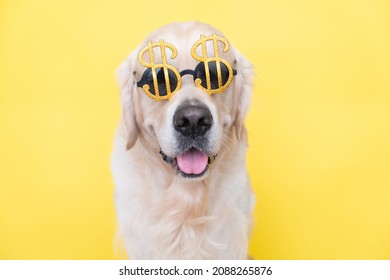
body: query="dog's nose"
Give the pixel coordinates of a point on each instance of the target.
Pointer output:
(192, 120)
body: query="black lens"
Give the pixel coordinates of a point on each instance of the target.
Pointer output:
(200, 72)
(147, 79)
(162, 86)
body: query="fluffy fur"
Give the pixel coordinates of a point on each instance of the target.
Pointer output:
(161, 214)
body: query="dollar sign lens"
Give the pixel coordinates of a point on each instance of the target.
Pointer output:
(161, 80)
(218, 74)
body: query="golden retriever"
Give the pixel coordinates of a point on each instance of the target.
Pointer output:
(182, 187)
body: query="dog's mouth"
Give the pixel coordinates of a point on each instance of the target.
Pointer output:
(193, 163)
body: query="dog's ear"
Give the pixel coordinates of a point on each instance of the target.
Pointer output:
(128, 87)
(243, 90)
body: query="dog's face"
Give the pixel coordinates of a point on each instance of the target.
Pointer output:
(186, 116)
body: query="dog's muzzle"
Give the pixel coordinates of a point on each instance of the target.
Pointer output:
(191, 122)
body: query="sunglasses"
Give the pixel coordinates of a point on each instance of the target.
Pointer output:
(161, 80)
(165, 76)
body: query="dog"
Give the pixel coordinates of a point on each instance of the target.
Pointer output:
(182, 189)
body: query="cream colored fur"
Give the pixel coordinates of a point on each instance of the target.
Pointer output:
(162, 215)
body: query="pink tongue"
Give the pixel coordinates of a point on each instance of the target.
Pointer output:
(193, 161)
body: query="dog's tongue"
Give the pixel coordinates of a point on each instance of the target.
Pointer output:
(193, 161)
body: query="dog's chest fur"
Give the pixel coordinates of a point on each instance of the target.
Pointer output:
(166, 217)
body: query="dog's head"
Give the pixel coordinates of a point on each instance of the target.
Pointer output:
(185, 92)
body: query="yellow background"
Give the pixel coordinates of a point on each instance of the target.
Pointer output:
(319, 125)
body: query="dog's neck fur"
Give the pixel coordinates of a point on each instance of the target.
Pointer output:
(181, 211)
(182, 218)
(180, 214)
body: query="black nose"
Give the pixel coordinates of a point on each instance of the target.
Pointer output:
(192, 120)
